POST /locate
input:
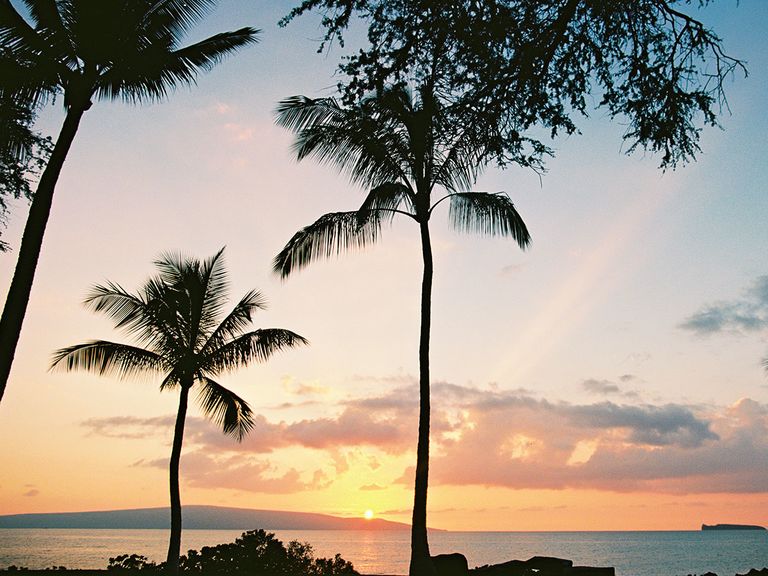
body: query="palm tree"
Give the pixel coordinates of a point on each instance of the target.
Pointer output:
(175, 319)
(125, 49)
(401, 149)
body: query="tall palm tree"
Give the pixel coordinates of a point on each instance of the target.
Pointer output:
(175, 319)
(401, 148)
(125, 49)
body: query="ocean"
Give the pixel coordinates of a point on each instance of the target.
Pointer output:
(386, 552)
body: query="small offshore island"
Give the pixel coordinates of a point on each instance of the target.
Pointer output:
(731, 527)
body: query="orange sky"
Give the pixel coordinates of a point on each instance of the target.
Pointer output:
(608, 378)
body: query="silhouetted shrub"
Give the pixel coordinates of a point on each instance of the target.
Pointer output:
(254, 552)
(125, 563)
(259, 552)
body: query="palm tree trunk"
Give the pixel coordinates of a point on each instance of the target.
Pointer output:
(421, 563)
(31, 243)
(174, 546)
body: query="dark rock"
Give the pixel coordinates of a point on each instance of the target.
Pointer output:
(709, 574)
(545, 566)
(511, 568)
(593, 571)
(451, 564)
(755, 572)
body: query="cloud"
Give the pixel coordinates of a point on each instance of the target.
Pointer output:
(600, 386)
(648, 425)
(492, 437)
(669, 448)
(222, 108)
(542, 508)
(746, 314)
(355, 425)
(31, 491)
(608, 388)
(303, 389)
(129, 426)
(511, 269)
(371, 488)
(239, 132)
(242, 472)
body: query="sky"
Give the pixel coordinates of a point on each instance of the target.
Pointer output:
(608, 378)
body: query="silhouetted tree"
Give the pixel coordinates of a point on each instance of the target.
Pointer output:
(23, 156)
(517, 70)
(515, 64)
(23, 152)
(402, 149)
(125, 49)
(176, 318)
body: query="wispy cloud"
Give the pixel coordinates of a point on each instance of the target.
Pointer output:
(600, 386)
(746, 314)
(304, 388)
(31, 491)
(609, 388)
(243, 472)
(128, 426)
(371, 488)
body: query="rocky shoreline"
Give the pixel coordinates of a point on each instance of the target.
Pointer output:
(456, 565)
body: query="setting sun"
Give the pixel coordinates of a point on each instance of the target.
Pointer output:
(368, 514)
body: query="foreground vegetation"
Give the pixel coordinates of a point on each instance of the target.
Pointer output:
(254, 552)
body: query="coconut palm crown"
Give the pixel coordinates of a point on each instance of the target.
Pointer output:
(176, 320)
(127, 49)
(401, 148)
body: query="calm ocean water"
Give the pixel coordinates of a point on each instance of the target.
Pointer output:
(632, 553)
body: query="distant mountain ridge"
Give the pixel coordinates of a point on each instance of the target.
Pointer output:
(197, 517)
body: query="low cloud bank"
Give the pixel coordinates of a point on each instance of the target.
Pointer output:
(492, 437)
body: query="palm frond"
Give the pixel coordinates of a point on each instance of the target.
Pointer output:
(216, 290)
(165, 317)
(297, 113)
(53, 45)
(256, 346)
(176, 16)
(171, 380)
(129, 312)
(237, 320)
(116, 302)
(196, 288)
(150, 73)
(369, 148)
(225, 408)
(16, 35)
(103, 357)
(461, 162)
(387, 198)
(328, 235)
(489, 214)
(26, 84)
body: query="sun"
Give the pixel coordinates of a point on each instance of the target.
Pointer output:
(368, 514)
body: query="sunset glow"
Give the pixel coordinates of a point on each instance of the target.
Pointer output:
(609, 377)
